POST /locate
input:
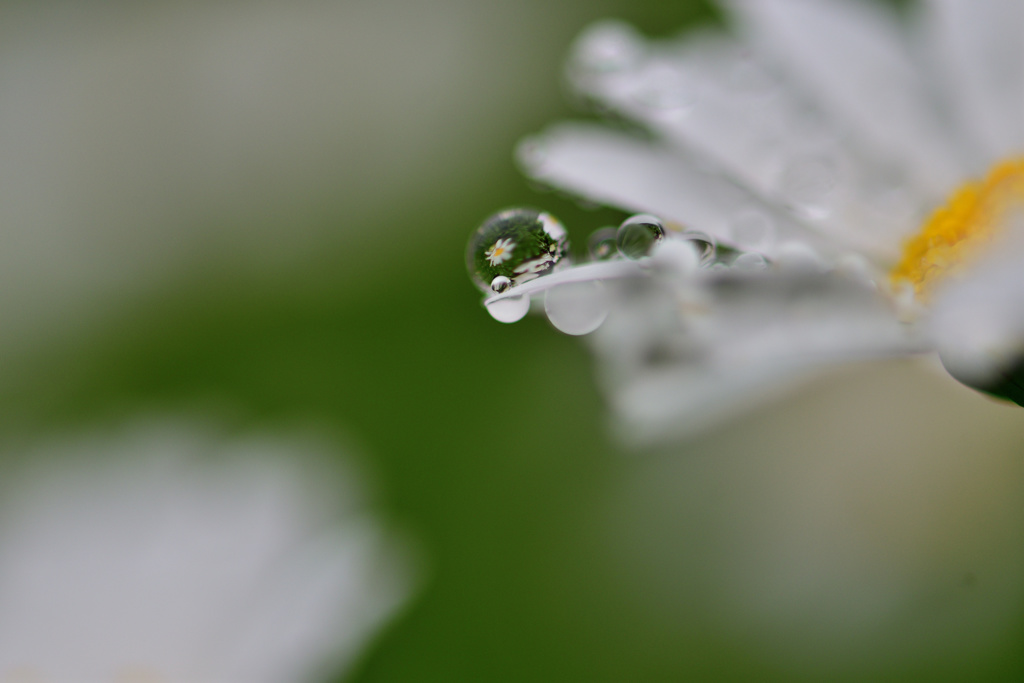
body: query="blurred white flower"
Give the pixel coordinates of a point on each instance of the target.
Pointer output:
(809, 147)
(167, 552)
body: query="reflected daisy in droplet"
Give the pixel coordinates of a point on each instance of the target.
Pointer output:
(167, 551)
(852, 182)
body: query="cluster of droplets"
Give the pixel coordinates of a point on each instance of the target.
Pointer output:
(519, 252)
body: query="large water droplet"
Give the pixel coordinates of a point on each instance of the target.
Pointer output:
(509, 310)
(601, 244)
(638, 234)
(576, 307)
(807, 184)
(519, 244)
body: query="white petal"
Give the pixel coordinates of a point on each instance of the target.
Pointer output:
(710, 95)
(979, 50)
(852, 57)
(636, 175)
(673, 367)
(167, 550)
(978, 319)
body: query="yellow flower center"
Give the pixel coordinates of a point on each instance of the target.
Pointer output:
(953, 235)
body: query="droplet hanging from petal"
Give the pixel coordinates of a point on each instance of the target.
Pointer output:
(518, 244)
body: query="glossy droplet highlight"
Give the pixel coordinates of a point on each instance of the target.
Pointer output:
(638, 234)
(601, 245)
(509, 310)
(500, 284)
(576, 308)
(518, 244)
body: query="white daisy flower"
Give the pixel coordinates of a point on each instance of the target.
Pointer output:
(500, 252)
(838, 183)
(167, 552)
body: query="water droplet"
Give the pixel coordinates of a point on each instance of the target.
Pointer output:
(500, 284)
(800, 258)
(509, 310)
(638, 234)
(677, 256)
(703, 242)
(519, 244)
(807, 183)
(752, 229)
(576, 307)
(601, 244)
(750, 262)
(607, 46)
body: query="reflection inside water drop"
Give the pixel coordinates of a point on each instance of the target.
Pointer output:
(638, 234)
(702, 242)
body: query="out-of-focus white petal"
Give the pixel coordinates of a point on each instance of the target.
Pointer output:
(637, 175)
(977, 318)
(978, 48)
(172, 552)
(709, 95)
(852, 57)
(678, 363)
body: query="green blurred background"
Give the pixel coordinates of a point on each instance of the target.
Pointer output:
(259, 211)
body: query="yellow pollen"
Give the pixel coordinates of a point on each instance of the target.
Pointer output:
(952, 235)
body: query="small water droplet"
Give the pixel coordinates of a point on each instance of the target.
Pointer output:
(576, 308)
(601, 244)
(703, 242)
(509, 310)
(750, 262)
(800, 258)
(500, 284)
(638, 234)
(807, 183)
(752, 229)
(519, 244)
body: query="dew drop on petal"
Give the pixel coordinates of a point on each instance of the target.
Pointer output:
(601, 244)
(638, 234)
(750, 262)
(677, 256)
(752, 229)
(576, 308)
(799, 257)
(500, 284)
(519, 244)
(509, 310)
(703, 242)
